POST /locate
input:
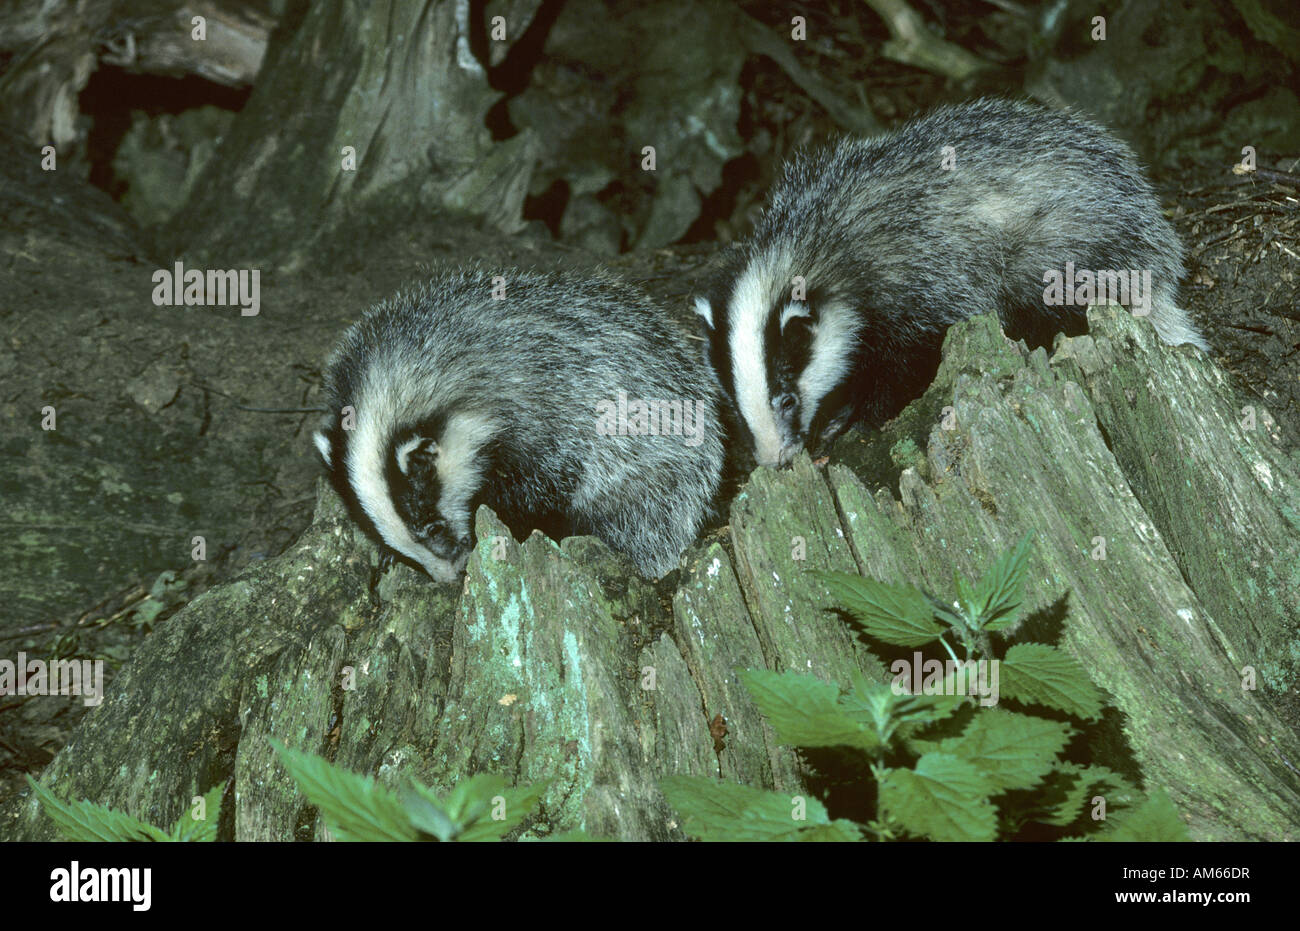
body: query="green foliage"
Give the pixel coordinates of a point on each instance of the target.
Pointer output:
(86, 821)
(999, 593)
(1013, 751)
(1068, 787)
(896, 614)
(727, 811)
(942, 797)
(1153, 819)
(481, 808)
(1036, 673)
(944, 766)
(356, 808)
(806, 712)
(200, 825)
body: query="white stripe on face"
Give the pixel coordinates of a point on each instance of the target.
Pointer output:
(368, 476)
(835, 338)
(748, 316)
(460, 470)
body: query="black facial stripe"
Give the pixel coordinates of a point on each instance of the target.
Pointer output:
(416, 492)
(776, 364)
(338, 446)
(790, 350)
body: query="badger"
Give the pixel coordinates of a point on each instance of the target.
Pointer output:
(834, 309)
(572, 405)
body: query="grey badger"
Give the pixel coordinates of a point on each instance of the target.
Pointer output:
(458, 399)
(835, 308)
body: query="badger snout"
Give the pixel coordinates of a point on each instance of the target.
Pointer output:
(779, 457)
(447, 551)
(786, 440)
(445, 560)
(449, 548)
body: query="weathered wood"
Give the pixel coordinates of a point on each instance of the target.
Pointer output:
(555, 663)
(718, 640)
(784, 524)
(1025, 452)
(1225, 498)
(57, 45)
(398, 118)
(230, 53)
(243, 661)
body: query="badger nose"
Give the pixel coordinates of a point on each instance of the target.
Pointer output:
(464, 542)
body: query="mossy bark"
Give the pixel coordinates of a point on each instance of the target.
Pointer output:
(360, 105)
(555, 663)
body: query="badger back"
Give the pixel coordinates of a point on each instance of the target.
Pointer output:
(890, 240)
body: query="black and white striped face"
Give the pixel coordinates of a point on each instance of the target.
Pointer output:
(416, 486)
(779, 361)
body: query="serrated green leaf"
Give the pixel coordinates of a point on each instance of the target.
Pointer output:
(944, 798)
(516, 804)
(1068, 789)
(471, 797)
(805, 711)
(426, 813)
(838, 831)
(966, 597)
(726, 811)
(896, 614)
(355, 807)
(1014, 751)
(86, 821)
(1040, 674)
(999, 593)
(891, 711)
(194, 830)
(1153, 820)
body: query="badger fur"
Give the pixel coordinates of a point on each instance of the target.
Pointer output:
(835, 308)
(458, 399)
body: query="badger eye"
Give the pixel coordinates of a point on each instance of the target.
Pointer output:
(786, 403)
(433, 528)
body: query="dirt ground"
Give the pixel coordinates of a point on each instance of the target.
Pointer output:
(78, 331)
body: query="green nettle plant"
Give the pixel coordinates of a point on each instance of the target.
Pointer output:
(86, 821)
(947, 763)
(355, 808)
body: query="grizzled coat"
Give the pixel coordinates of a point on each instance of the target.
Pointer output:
(893, 248)
(461, 399)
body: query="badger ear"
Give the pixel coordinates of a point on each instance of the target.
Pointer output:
(324, 447)
(418, 452)
(704, 308)
(795, 310)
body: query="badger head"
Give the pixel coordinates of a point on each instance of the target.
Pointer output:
(784, 357)
(414, 485)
